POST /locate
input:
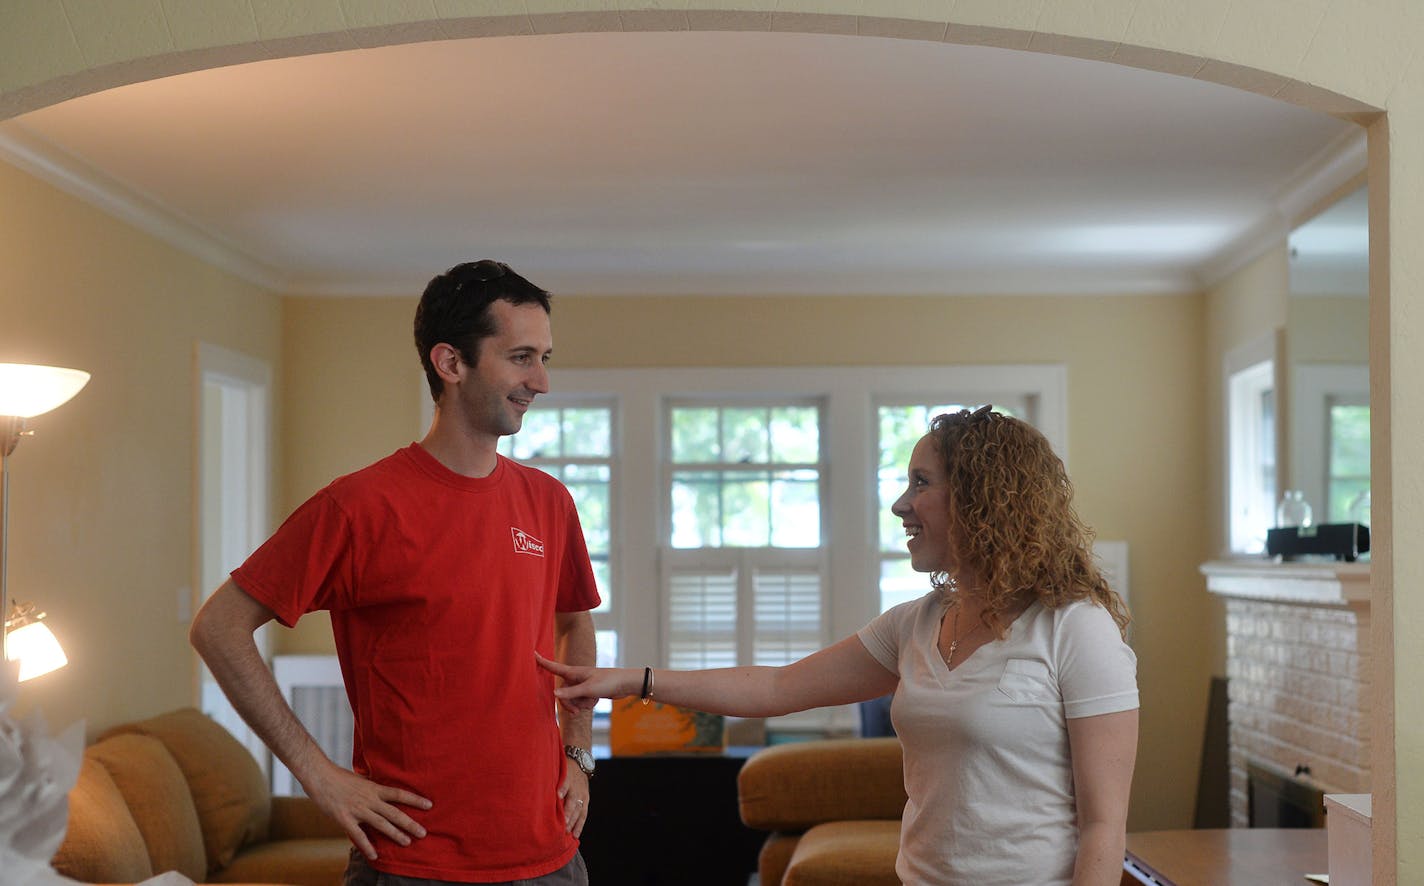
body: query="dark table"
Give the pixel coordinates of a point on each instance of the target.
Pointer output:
(671, 820)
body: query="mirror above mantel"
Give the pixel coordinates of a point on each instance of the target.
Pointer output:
(1297, 396)
(1326, 407)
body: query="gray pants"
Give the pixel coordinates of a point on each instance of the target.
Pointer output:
(359, 873)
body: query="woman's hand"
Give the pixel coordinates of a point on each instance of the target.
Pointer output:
(584, 686)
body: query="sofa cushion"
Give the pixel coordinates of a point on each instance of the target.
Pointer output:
(315, 862)
(102, 842)
(231, 796)
(775, 855)
(158, 799)
(790, 787)
(299, 817)
(846, 853)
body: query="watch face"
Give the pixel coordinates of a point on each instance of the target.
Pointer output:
(580, 756)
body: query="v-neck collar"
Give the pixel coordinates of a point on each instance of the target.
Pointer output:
(941, 669)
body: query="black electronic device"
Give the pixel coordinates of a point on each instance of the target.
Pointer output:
(1342, 541)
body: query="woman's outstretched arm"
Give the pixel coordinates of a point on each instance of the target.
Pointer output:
(839, 674)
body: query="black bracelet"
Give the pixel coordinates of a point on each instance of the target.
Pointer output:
(647, 684)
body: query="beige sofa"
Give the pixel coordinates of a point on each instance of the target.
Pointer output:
(178, 793)
(833, 808)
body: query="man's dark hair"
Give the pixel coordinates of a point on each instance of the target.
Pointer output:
(455, 310)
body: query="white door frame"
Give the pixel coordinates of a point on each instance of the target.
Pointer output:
(232, 493)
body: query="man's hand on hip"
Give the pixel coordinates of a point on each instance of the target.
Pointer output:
(354, 801)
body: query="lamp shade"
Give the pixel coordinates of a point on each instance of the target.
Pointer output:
(27, 390)
(34, 646)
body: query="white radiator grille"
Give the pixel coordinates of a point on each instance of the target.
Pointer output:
(312, 686)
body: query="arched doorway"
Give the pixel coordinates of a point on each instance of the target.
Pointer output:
(49, 69)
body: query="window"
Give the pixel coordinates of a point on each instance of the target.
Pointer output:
(899, 427)
(745, 476)
(573, 441)
(772, 548)
(1330, 439)
(1348, 485)
(1251, 429)
(743, 569)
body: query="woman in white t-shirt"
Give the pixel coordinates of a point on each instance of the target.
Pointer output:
(1015, 696)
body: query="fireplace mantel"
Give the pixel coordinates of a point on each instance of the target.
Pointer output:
(1319, 584)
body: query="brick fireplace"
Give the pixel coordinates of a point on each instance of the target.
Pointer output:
(1298, 673)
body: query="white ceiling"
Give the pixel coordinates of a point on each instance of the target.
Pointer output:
(697, 162)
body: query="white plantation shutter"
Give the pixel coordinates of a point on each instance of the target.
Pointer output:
(742, 606)
(787, 605)
(702, 619)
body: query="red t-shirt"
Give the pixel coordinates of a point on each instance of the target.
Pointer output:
(440, 588)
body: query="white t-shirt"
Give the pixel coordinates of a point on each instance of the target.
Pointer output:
(987, 767)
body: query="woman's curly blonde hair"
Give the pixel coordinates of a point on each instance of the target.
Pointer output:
(1012, 518)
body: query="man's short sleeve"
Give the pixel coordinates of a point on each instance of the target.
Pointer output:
(305, 566)
(578, 591)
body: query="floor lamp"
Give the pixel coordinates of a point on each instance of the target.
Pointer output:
(26, 391)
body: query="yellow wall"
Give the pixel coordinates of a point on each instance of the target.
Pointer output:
(1349, 57)
(351, 390)
(1247, 305)
(101, 503)
(1135, 412)
(1329, 329)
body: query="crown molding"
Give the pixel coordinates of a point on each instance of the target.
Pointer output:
(1327, 172)
(26, 151)
(1344, 159)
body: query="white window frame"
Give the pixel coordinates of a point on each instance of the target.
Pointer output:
(850, 534)
(671, 403)
(1249, 372)
(744, 562)
(1315, 387)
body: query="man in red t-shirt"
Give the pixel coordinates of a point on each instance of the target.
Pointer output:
(443, 566)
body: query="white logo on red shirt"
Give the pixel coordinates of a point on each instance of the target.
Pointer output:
(524, 543)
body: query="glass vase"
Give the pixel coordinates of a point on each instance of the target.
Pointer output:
(1293, 510)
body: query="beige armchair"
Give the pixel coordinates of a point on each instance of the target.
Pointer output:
(178, 793)
(833, 808)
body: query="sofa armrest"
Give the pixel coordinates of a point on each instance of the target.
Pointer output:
(298, 818)
(792, 787)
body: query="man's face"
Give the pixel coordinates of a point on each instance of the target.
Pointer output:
(510, 369)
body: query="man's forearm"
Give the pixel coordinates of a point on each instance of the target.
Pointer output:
(223, 639)
(262, 707)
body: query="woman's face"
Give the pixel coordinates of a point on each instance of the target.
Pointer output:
(924, 509)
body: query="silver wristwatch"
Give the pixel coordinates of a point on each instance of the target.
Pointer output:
(580, 756)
